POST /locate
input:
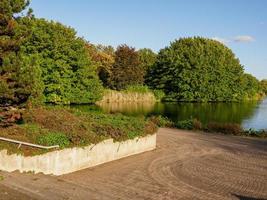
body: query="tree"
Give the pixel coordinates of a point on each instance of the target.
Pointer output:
(17, 73)
(103, 58)
(263, 86)
(250, 86)
(147, 58)
(69, 76)
(126, 69)
(197, 69)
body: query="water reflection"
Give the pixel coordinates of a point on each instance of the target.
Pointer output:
(249, 114)
(131, 108)
(259, 118)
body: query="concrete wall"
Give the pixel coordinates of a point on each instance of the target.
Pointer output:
(74, 159)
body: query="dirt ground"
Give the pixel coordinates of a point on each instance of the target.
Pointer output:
(185, 165)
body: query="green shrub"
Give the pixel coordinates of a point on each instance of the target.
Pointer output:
(137, 88)
(256, 133)
(226, 128)
(185, 124)
(161, 121)
(159, 94)
(189, 124)
(55, 138)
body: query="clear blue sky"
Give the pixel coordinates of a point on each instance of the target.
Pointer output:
(240, 24)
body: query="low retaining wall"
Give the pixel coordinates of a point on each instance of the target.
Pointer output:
(74, 159)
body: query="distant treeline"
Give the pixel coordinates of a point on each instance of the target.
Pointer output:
(44, 61)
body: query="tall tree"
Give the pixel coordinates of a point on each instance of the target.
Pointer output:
(126, 69)
(68, 74)
(250, 86)
(103, 58)
(263, 86)
(197, 69)
(16, 72)
(147, 58)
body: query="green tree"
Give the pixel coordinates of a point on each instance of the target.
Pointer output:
(147, 58)
(103, 58)
(126, 69)
(263, 86)
(197, 69)
(18, 74)
(250, 86)
(69, 76)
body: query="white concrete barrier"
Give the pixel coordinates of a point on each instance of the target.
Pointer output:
(73, 159)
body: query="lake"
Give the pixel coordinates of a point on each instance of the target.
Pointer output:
(252, 114)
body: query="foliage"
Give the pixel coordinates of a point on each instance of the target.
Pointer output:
(55, 125)
(161, 121)
(250, 86)
(147, 58)
(256, 133)
(18, 76)
(189, 124)
(68, 74)
(51, 139)
(159, 94)
(263, 86)
(103, 58)
(197, 69)
(126, 69)
(137, 88)
(226, 128)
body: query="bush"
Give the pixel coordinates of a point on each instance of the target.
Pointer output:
(159, 94)
(161, 121)
(256, 133)
(226, 128)
(137, 88)
(189, 124)
(55, 138)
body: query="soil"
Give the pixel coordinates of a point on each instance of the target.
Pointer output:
(185, 165)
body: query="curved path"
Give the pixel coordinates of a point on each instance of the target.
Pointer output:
(185, 165)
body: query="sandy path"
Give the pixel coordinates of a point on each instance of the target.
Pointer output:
(185, 165)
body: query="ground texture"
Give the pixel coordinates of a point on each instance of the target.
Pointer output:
(185, 165)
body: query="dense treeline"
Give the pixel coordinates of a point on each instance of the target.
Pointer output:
(199, 69)
(44, 61)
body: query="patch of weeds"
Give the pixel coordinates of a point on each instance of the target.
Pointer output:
(67, 127)
(190, 124)
(225, 128)
(161, 121)
(55, 138)
(256, 133)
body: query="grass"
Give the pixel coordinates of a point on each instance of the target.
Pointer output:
(138, 89)
(70, 127)
(212, 127)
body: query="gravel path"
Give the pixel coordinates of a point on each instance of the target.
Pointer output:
(185, 165)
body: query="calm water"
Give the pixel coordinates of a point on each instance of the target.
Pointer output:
(249, 114)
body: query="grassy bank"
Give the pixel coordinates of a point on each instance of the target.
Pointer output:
(212, 127)
(71, 128)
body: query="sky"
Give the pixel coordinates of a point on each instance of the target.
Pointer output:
(239, 24)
